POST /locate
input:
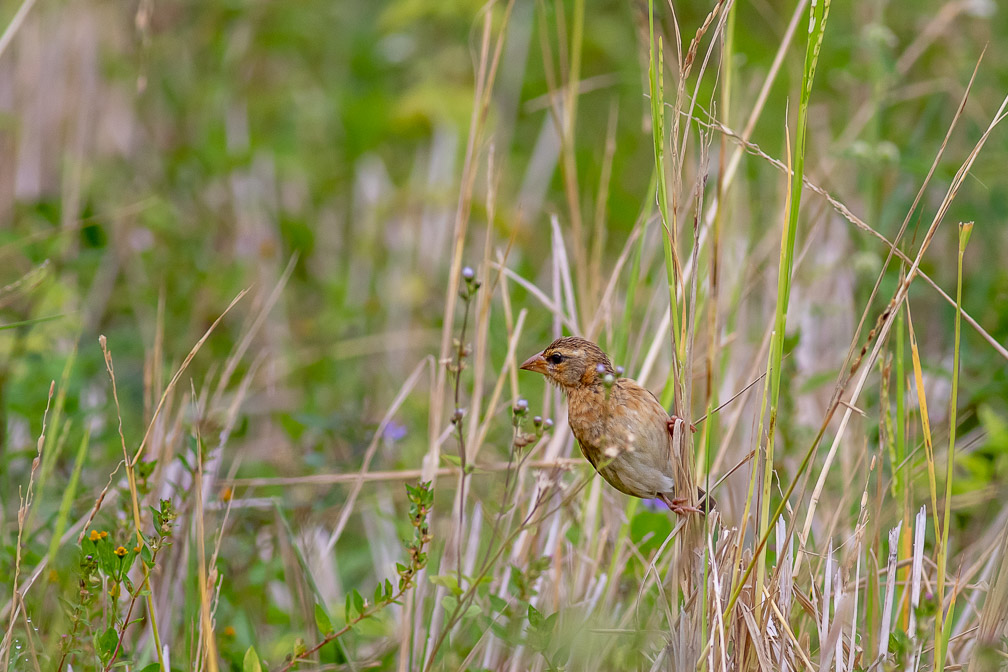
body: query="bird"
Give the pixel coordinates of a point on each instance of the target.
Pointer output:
(623, 430)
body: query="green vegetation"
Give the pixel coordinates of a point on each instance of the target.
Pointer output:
(267, 272)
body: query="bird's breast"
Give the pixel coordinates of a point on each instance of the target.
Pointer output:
(631, 455)
(587, 414)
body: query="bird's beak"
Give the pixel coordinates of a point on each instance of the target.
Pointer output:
(535, 363)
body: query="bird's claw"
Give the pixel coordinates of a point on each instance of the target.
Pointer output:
(679, 505)
(674, 420)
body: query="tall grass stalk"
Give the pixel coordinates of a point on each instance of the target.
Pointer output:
(656, 69)
(925, 420)
(818, 14)
(24, 510)
(713, 333)
(130, 465)
(901, 475)
(489, 59)
(942, 630)
(208, 644)
(713, 325)
(569, 158)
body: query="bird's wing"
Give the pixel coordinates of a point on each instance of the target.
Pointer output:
(588, 454)
(653, 432)
(651, 418)
(656, 400)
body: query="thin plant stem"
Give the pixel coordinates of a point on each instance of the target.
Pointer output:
(942, 631)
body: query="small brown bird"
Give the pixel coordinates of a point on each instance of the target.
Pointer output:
(622, 428)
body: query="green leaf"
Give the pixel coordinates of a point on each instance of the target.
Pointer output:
(153, 667)
(448, 581)
(157, 517)
(147, 556)
(107, 643)
(145, 469)
(498, 604)
(563, 652)
(251, 661)
(358, 602)
(535, 618)
(539, 565)
(322, 620)
(448, 603)
(107, 561)
(347, 607)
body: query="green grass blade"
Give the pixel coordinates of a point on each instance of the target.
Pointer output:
(818, 15)
(656, 65)
(68, 496)
(942, 626)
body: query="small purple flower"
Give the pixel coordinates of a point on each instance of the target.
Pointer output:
(394, 432)
(655, 505)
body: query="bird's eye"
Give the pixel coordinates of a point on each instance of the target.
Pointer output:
(555, 358)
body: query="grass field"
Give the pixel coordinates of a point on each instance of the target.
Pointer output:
(268, 270)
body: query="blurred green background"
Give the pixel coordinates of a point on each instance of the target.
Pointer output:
(188, 151)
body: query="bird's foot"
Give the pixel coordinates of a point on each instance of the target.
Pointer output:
(679, 505)
(672, 421)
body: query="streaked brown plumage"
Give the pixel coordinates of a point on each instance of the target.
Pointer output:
(627, 435)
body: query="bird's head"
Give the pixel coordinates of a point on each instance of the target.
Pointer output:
(571, 363)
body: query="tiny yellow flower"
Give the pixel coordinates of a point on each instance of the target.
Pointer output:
(104, 534)
(94, 536)
(226, 494)
(229, 631)
(138, 547)
(114, 590)
(121, 551)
